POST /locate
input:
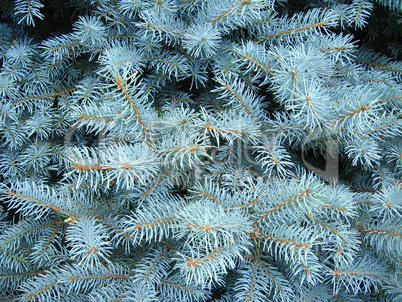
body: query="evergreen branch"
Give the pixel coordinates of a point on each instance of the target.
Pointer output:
(289, 31)
(51, 95)
(210, 192)
(366, 230)
(247, 204)
(379, 66)
(187, 154)
(303, 194)
(152, 269)
(84, 168)
(359, 9)
(399, 261)
(163, 29)
(358, 12)
(273, 278)
(185, 288)
(88, 242)
(365, 275)
(66, 46)
(158, 181)
(42, 290)
(259, 280)
(27, 9)
(238, 98)
(258, 64)
(19, 258)
(140, 120)
(175, 288)
(36, 227)
(285, 241)
(206, 266)
(210, 128)
(15, 195)
(120, 36)
(229, 11)
(84, 116)
(192, 149)
(154, 223)
(326, 226)
(325, 50)
(41, 271)
(231, 126)
(72, 278)
(51, 238)
(9, 279)
(195, 262)
(335, 208)
(385, 126)
(373, 80)
(55, 64)
(146, 225)
(252, 281)
(210, 196)
(391, 98)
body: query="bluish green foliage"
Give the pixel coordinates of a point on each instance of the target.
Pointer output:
(199, 150)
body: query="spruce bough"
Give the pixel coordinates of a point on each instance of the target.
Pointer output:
(199, 150)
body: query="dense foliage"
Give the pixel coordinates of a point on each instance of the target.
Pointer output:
(200, 150)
